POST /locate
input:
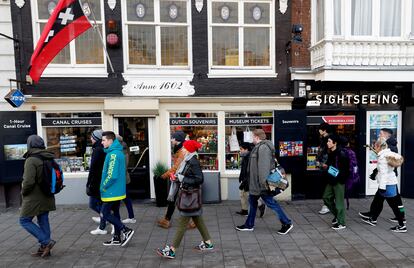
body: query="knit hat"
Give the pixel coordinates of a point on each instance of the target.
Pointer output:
(35, 141)
(97, 134)
(191, 145)
(179, 136)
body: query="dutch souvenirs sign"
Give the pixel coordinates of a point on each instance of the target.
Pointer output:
(15, 97)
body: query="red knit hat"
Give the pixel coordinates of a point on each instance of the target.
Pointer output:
(191, 145)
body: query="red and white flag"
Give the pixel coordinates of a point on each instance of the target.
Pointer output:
(66, 23)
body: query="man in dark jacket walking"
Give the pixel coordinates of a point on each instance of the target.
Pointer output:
(34, 202)
(94, 179)
(261, 163)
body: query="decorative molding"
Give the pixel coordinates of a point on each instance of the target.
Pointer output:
(19, 3)
(112, 4)
(199, 5)
(283, 5)
(158, 87)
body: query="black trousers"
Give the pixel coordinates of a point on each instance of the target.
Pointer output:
(395, 204)
(171, 208)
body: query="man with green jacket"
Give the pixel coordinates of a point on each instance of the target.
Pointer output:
(34, 202)
(113, 188)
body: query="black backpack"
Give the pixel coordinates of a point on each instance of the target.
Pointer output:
(52, 177)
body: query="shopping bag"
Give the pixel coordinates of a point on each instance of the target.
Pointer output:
(233, 141)
(248, 135)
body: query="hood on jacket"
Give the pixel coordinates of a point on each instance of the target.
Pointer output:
(269, 143)
(115, 146)
(35, 141)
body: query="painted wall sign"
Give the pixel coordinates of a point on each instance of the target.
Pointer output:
(357, 99)
(158, 87)
(247, 121)
(193, 121)
(72, 122)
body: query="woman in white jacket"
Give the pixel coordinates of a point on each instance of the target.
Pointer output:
(387, 185)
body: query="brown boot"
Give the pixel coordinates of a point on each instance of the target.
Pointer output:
(48, 248)
(191, 225)
(164, 223)
(39, 252)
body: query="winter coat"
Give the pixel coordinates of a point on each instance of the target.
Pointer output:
(34, 201)
(386, 175)
(244, 173)
(95, 170)
(113, 183)
(193, 178)
(260, 164)
(339, 160)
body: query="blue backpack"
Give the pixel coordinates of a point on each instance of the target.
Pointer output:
(354, 177)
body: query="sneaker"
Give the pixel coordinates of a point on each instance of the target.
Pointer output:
(129, 220)
(112, 229)
(115, 241)
(164, 223)
(166, 252)
(399, 229)
(98, 231)
(262, 209)
(127, 234)
(334, 221)
(369, 221)
(285, 229)
(242, 212)
(204, 246)
(324, 210)
(244, 228)
(48, 248)
(338, 226)
(96, 219)
(365, 215)
(396, 220)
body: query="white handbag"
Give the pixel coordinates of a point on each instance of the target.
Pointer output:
(248, 135)
(234, 143)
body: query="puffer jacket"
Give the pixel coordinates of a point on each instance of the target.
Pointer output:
(260, 164)
(386, 175)
(34, 201)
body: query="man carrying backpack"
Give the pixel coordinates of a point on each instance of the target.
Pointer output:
(35, 203)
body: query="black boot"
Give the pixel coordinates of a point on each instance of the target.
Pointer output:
(243, 212)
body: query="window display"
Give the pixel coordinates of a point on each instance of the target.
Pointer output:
(201, 127)
(239, 128)
(67, 135)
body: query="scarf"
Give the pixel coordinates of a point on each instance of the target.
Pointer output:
(175, 185)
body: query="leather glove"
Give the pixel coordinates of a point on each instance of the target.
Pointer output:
(373, 174)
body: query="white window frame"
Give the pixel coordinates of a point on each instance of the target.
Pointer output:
(148, 70)
(218, 71)
(71, 69)
(346, 26)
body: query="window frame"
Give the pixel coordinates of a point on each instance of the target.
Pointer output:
(141, 69)
(218, 71)
(71, 69)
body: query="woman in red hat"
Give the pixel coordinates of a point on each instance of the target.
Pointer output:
(189, 178)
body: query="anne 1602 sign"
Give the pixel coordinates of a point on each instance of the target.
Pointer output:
(171, 85)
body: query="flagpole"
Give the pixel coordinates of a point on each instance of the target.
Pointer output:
(96, 28)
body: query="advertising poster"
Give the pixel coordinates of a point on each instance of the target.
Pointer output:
(376, 120)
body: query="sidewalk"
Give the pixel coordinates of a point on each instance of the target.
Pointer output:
(311, 243)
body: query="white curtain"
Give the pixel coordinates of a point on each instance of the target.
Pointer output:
(390, 24)
(337, 17)
(320, 7)
(361, 17)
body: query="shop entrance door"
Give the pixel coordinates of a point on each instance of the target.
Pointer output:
(134, 130)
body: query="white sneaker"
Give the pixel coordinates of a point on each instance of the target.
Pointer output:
(96, 219)
(324, 210)
(129, 220)
(113, 229)
(98, 231)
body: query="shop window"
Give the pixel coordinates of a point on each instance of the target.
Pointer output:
(238, 125)
(84, 50)
(241, 34)
(201, 127)
(158, 32)
(68, 136)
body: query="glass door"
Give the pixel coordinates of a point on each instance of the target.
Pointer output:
(134, 131)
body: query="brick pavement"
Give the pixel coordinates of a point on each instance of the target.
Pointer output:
(312, 243)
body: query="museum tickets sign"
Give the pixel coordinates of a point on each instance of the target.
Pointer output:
(344, 99)
(158, 87)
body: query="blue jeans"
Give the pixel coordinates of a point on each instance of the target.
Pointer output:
(41, 230)
(96, 204)
(114, 218)
(271, 203)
